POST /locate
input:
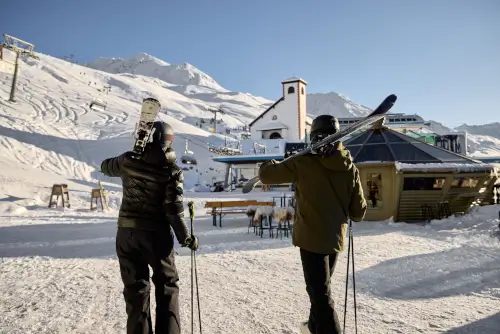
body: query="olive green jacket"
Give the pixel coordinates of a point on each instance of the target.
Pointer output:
(328, 192)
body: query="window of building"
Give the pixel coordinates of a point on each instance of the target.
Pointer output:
(360, 139)
(377, 137)
(465, 182)
(374, 187)
(393, 138)
(302, 90)
(275, 117)
(423, 183)
(374, 153)
(275, 135)
(406, 152)
(354, 150)
(291, 90)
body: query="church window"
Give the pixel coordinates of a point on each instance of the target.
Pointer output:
(275, 117)
(302, 90)
(275, 135)
(291, 90)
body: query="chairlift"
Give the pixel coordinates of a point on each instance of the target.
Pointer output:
(98, 105)
(188, 156)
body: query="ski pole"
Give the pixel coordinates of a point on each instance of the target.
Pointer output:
(195, 275)
(350, 254)
(347, 277)
(351, 241)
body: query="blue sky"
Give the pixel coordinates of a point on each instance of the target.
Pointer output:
(442, 58)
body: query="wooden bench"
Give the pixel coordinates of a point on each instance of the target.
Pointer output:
(222, 208)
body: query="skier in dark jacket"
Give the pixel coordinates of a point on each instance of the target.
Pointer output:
(328, 192)
(152, 205)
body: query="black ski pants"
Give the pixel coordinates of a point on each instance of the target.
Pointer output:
(136, 249)
(318, 270)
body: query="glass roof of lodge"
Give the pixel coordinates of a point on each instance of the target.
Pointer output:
(384, 144)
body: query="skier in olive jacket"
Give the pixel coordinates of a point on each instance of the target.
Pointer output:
(152, 204)
(328, 192)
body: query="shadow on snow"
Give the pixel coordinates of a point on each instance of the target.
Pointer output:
(459, 271)
(97, 240)
(489, 325)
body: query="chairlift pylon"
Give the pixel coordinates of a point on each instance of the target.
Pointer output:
(188, 156)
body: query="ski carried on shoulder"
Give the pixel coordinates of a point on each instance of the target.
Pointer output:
(144, 128)
(374, 116)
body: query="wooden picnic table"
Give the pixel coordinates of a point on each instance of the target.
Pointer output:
(222, 208)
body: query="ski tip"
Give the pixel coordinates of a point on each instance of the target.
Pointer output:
(247, 189)
(392, 98)
(385, 106)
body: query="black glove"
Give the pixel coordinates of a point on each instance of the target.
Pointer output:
(326, 151)
(191, 242)
(329, 150)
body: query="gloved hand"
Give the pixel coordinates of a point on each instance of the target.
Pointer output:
(191, 242)
(329, 150)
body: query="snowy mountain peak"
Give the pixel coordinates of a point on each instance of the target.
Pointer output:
(490, 129)
(334, 104)
(147, 58)
(147, 65)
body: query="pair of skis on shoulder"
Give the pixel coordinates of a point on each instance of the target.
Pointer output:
(144, 128)
(374, 116)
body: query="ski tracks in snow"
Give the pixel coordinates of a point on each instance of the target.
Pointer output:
(59, 297)
(257, 291)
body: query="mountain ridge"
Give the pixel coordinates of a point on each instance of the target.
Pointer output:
(51, 131)
(200, 83)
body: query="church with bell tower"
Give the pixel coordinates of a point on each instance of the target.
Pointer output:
(286, 118)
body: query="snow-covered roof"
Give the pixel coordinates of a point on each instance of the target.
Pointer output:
(385, 144)
(265, 111)
(272, 126)
(293, 79)
(456, 167)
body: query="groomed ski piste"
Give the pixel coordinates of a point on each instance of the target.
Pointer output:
(58, 269)
(59, 274)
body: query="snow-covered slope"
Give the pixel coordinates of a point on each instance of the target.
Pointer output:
(193, 83)
(52, 130)
(490, 129)
(334, 104)
(483, 141)
(147, 65)
(59, 274)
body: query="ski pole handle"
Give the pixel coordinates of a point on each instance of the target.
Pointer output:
(191, 209)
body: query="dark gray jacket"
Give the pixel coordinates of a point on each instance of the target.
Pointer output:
(152, 191)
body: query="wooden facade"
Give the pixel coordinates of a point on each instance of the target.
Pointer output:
(431, 183)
